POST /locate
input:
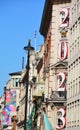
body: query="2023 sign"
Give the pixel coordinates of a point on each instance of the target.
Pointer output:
(63, 55)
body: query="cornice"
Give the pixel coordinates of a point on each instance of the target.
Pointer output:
(46, 17)
(47, 14)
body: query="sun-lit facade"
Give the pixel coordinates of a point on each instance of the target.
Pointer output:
(73, 85)
(55, 29)
(54, 72)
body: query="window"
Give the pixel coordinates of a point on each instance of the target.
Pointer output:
(16, 82)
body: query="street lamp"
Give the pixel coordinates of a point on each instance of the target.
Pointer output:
(28, 48)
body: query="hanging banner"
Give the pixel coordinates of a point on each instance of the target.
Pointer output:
(10, 101)
(5, 117)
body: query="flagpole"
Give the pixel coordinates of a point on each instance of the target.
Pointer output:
(35, 39)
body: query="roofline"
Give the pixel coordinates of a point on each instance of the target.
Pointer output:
(46, 15)
(15, 73)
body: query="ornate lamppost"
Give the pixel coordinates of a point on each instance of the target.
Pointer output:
(27, 48)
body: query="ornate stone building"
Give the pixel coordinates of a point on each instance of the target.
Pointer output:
(11, 102)
(55, 29)
(73, 85)
(54, 72)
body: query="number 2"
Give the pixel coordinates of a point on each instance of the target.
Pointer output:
(64, 12)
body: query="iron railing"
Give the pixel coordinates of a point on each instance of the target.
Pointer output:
(58, 95)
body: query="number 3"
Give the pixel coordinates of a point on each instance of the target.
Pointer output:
(62, 119)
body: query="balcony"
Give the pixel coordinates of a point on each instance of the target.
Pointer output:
(58, 96)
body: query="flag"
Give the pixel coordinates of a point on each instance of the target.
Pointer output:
(47, 123)
(30, 118)
(35, 34)
(5, 117)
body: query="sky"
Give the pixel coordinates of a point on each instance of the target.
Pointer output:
(18, 21)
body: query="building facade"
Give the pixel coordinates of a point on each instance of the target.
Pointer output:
(54, 72)
(12, 91)
(73, 86)
(55, 29)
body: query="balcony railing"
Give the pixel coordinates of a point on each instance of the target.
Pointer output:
(58, 96)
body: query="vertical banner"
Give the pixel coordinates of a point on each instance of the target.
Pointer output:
(5, 118)
(11, 101)
(10, 106)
